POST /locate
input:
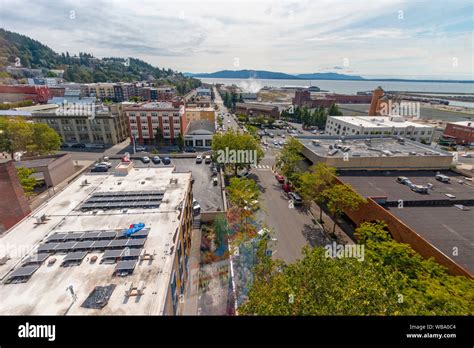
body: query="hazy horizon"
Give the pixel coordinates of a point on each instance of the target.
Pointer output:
(383, 39)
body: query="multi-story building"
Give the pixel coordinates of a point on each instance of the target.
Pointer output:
(165, 93)
(461, 133)
(99, 90)
(196, 114)
(383, 125)
(256, 110)
(108, 268)
(145, 118)
(103, 125)
(202, 91)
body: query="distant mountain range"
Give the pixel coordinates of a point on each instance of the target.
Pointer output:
(271, 75)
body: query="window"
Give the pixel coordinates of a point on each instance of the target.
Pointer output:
(198, 142)
(208, 142)
(143, 114)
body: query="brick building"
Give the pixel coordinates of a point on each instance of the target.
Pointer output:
(13, 204)
(462, 133)
(256, 110)
(303, 98)
(15, 93)
(145, 118)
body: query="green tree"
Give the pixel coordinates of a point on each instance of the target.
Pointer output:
(289, 157)
(27, 182)
(391, 279)
(334, 110)
(339, 198)
(235, 142)
(45, 139)
(242, 192)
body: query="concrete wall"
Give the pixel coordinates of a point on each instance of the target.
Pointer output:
(57, 171)
(13, 203)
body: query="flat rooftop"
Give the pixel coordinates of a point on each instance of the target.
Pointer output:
(378, 122)
(45, 292)
(434, 216)
(378, 147)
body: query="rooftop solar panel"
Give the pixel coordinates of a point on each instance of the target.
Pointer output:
(74, 236)
(141, 233)
(47, 247)
(90, 235)
(100, 244)
(56, 237)
(107, 235)
(25, 271)
(75, 256)
(118, 243)
(128, 252)
(37, 258)
(128, 265)
(65, 246)
(135, 242)
(84, 245)
(112, 254)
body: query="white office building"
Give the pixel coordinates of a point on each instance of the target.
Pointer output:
(373, 125)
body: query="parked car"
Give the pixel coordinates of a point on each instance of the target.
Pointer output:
(196, 207)
(467, 155)
(280, 178)
(402, 179)
(271, 135)
(207, 159)
(107, 164)
(198, 159)
(166, 160)
(419, 188)
(145, 159)
(286, 187)
(64, 146)
(78, 146)
(296, 198)
(215, 181)
(99, 169)
(214, 171)
(156, 159)
(140, 148)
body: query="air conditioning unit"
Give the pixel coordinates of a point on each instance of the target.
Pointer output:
(41, 219)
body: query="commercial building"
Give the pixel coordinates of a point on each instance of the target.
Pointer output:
(75, 255)
(98, 90)
(256, 110)
(16, 93)
(199, 134)
(303, 98)
(145, 118)
(199, 102)
(87, 123)
(373, 153)
(373, 125)
(196, 114)
(50, 169)
(202, 91)
(437, 223)
(460, 133)
(13, 204)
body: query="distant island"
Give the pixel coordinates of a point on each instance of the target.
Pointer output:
(272, 75)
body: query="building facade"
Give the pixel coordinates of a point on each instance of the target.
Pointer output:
(256, 110)
(462, 133)
(199, 134)
(196, 114)
(108, 124)
(379, 125)
(145, 118)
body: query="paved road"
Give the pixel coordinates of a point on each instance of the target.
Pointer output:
(229, 120)
(293, 228)
(88, 155)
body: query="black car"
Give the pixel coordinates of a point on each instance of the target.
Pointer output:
(78, 146)
(99, 169)
(64, 146)
(166, 160)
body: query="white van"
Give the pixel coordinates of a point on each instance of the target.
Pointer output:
(442, 178)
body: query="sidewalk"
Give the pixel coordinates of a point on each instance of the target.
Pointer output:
(192, 290)
(342, 237)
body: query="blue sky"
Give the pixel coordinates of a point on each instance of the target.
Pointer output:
(406, 39)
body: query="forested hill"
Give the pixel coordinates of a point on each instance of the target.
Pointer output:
(83, 67)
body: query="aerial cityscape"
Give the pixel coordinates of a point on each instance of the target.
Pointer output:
(275, 158)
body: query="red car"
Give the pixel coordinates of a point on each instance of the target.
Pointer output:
(287, 187)
(280, 178)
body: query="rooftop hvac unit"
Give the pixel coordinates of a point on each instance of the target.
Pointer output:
(41, 219)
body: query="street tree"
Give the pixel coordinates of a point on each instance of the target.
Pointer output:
(159, 138)
(289, 157)
(339, 198)
(392, 279)
(180, 141)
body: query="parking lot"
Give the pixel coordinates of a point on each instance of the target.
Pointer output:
(205, 192)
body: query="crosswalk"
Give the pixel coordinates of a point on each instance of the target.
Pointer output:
(262, 166)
